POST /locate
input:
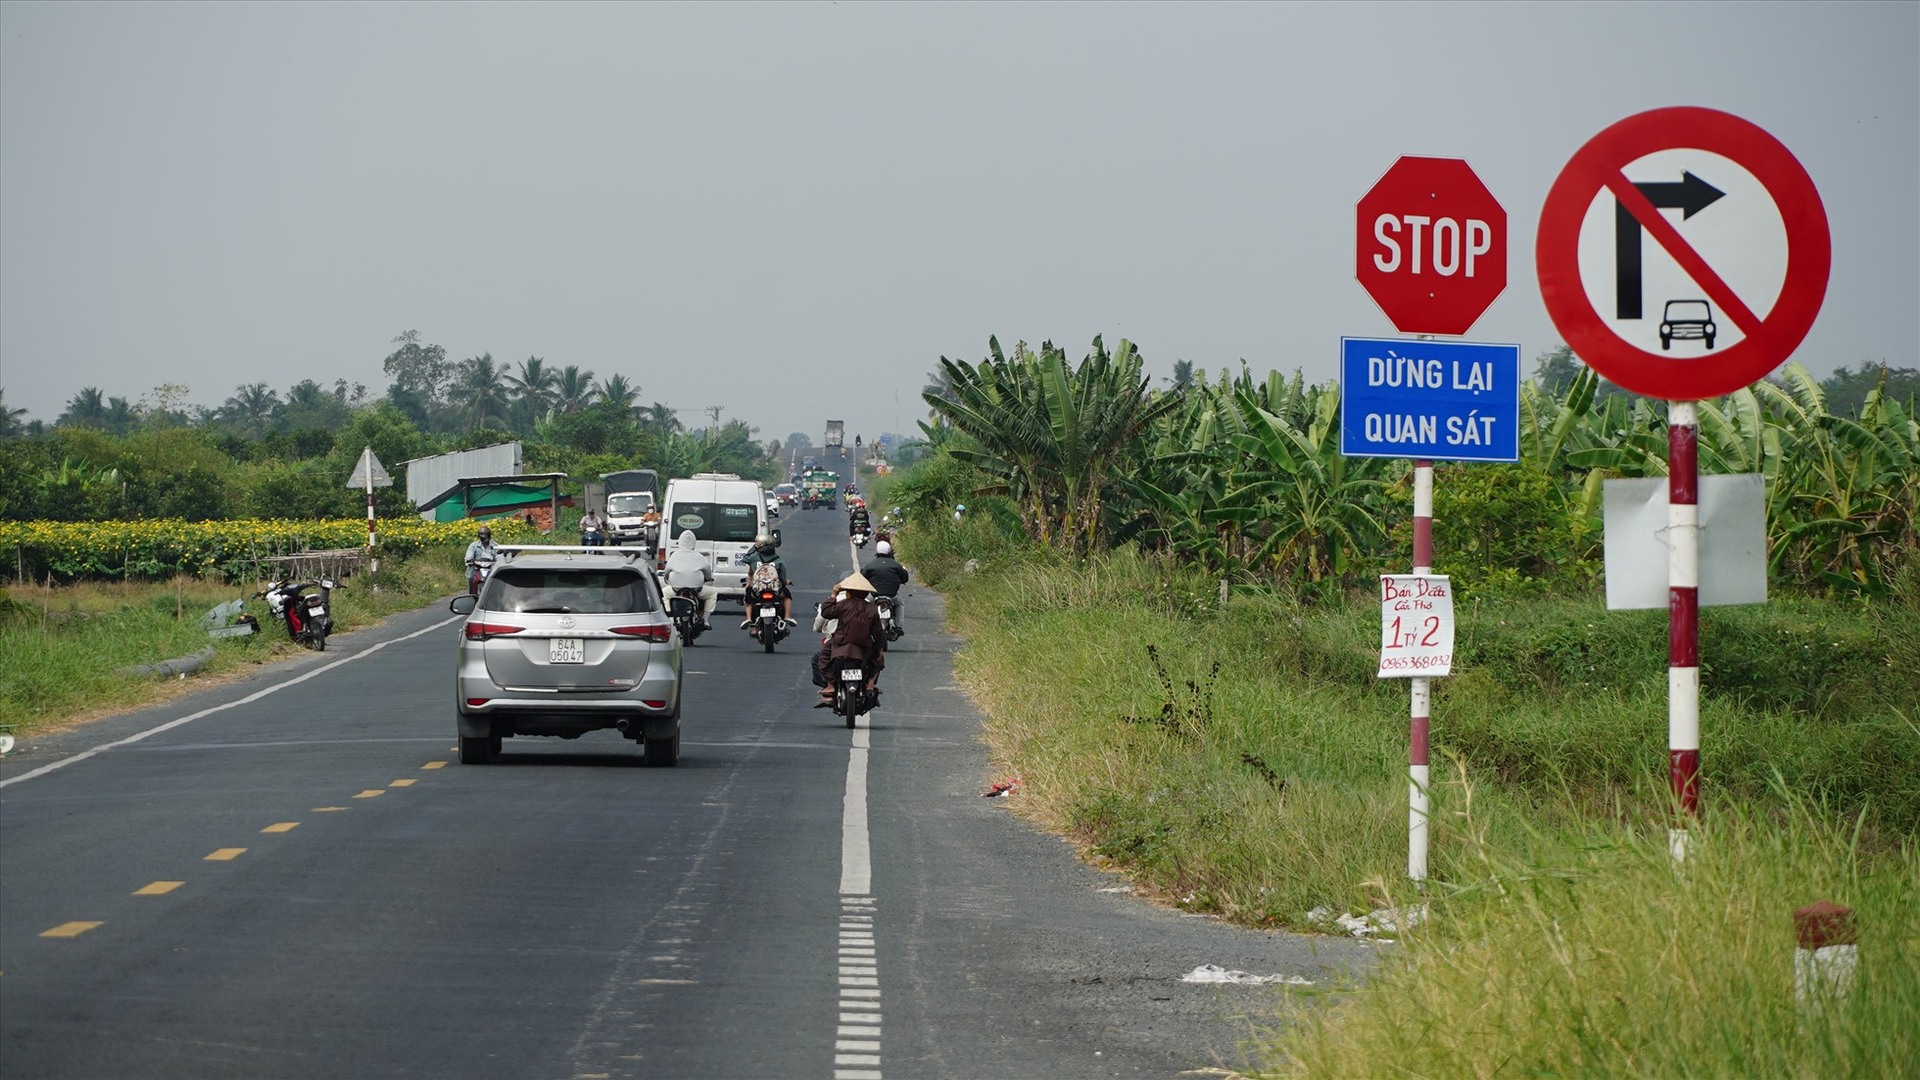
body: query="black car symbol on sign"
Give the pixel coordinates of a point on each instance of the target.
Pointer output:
(1686, 320)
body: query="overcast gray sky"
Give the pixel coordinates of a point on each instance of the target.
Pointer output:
(791, 210)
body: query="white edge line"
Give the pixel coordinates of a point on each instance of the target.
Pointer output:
(249, 699)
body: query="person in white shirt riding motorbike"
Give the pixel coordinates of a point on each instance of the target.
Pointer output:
(687, 568)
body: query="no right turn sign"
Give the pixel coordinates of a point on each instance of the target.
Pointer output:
(1683, 253)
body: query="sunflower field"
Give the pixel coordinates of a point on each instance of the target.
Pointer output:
(65, 552)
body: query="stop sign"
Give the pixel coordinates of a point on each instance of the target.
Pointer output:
(1430, 245)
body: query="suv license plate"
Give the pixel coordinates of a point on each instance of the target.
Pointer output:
(566, 650)
(852, 674)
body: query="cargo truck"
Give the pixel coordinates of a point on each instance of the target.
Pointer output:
(633, 507)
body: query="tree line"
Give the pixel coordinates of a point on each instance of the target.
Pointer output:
(262, 454)
(1245, 476)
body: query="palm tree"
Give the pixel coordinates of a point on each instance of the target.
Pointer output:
(658, 420)
(617, 391)
(120, 416)
(88, 408)
(482, 386)
(573, 389)
(251, 408)
(532, 389)
(10, 424)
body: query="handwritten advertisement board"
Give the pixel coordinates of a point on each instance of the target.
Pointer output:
(1416, 625)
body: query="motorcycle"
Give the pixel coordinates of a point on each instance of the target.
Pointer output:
(765, 625)
(689, 623)
(851, 694)
(478, 570)
(306, 615)
(860, 538)
(883, 606)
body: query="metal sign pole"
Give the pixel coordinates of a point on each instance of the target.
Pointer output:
(1683, 619)
(1420, 686)
(373, 557)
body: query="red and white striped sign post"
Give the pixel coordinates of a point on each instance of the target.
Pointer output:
(1683, 619)
(1602, 275)
(369, 473)
(1421, 687)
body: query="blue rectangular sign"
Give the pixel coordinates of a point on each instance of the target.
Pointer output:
(1445, 400)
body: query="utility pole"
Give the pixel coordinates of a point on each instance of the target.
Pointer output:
(714, 411)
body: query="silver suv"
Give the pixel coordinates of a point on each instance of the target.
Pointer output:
(566, 640)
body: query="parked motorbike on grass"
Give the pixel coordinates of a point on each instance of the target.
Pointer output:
(852, 697)
(307, 616)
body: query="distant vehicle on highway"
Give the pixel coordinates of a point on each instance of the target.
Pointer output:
(788, 494)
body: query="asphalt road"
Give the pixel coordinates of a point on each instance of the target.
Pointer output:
(290, 876)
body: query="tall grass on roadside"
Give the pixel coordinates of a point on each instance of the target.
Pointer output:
(1244, 760)
(62, 647)
(1606, 961)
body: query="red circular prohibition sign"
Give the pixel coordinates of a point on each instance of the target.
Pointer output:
(1596, 167)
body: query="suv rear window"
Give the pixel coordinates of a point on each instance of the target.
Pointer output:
(572, 591)
(731, 522)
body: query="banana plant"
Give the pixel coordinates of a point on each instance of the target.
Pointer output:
(1311, 508)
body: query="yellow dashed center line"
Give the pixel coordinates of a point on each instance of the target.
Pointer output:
(69, 929)
(403, 783)
(158, 888)
(226, 854)
(434, 765)
(281, 826)
(328, 809)
(371, 793)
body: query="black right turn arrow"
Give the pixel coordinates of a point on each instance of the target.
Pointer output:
(1689, 195)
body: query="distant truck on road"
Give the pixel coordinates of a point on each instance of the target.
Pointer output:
(633, 506)
(836, 432)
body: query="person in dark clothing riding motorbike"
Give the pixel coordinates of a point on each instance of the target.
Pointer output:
(856, 634)
(887, 576)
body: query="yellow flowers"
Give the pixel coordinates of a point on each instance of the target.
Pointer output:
(68, 550)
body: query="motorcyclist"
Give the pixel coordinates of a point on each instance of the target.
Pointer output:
(593, 531)
(687, 568)
(853, 632)
(480, 553)
(765, 551)
(857, 522)
(887, 576)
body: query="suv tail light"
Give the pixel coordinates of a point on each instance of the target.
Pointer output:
(484, 630)
(649, 632)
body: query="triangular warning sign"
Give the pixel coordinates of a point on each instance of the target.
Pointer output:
(369, 466)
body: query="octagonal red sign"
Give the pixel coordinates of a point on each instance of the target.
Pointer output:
(1430, 245)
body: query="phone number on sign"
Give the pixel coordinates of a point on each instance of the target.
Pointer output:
(1415, 663)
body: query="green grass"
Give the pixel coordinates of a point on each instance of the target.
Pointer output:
(1244, 761)
(61, 647)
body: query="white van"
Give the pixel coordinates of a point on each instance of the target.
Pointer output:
(725, 514)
